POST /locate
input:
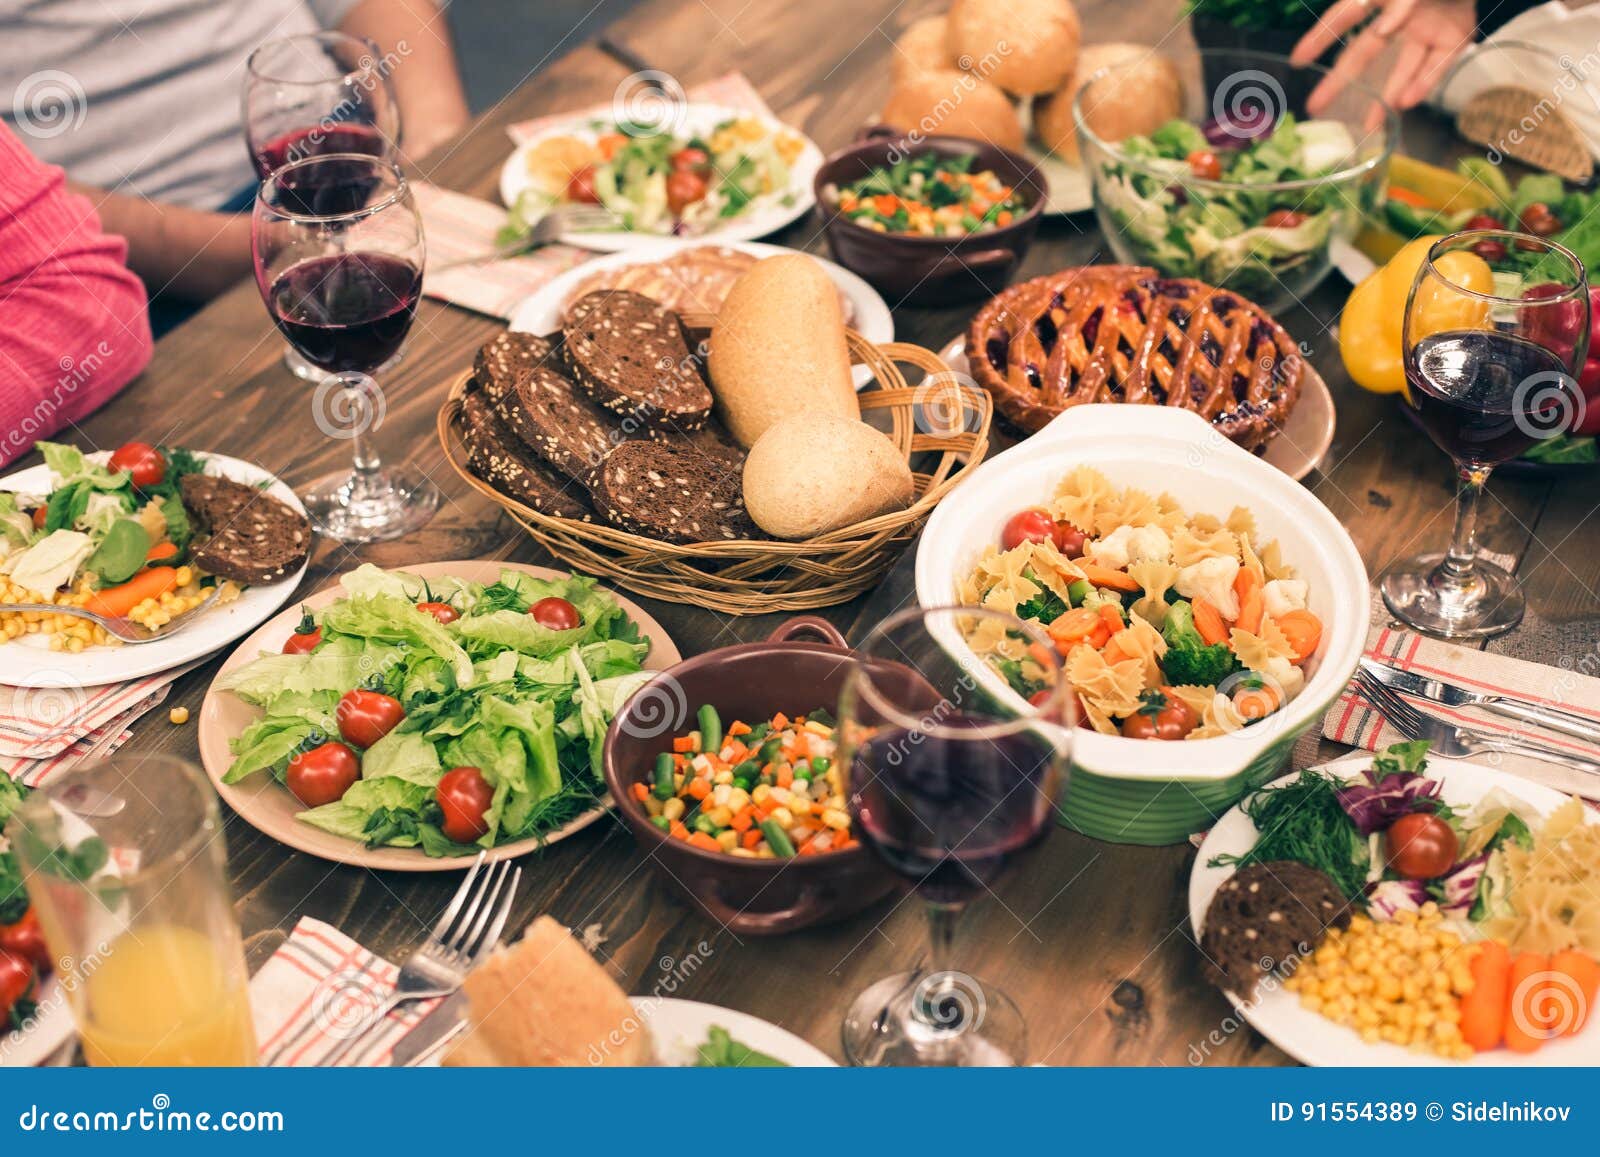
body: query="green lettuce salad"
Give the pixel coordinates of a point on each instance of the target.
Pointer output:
(492, 689)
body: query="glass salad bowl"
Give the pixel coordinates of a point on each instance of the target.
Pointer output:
(1242, 190)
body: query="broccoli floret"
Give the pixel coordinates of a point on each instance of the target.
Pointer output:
(1046, 606)
(1189, 659)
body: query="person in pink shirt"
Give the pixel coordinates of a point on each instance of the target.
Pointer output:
(73, 324)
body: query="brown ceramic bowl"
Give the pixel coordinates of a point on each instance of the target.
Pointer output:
(910, 269)
(750, 681)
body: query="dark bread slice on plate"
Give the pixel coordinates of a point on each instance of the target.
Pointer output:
(558, 423)
(630, 355)
(498, 456)
(507, 356)
(1265, 916)
(242, 532)
(675, 492)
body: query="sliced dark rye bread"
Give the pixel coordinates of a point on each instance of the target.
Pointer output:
(558, 423)
(507, 356)
(629, 354)
(673, 492)
(242, 532)
(1263, 918)
(498, 457)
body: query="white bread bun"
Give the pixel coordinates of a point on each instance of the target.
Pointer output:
(1024, 46)
(1142, 94)
(950, 102)
(810, 474)
(921, 48)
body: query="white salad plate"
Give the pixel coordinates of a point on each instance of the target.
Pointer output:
(28, 662)
(266, 805)
(1298, 448)
(1310, 1037)
(767, 214)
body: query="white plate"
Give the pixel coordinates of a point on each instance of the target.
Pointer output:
(28, 662)
(1313, 1039)
(51, 1028)
(543, 311)
(267, 806)
(680, 1026)
(1298, 448)
(770, 215)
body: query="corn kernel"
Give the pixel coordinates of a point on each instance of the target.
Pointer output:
(672, 809)
(179, 715)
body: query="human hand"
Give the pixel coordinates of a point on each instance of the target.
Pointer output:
(1431, 33)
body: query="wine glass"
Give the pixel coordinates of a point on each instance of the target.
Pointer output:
(947, 784)
(338, 250)
(1496, 329)
(316, 93)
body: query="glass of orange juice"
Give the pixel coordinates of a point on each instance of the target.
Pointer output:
(124, 866)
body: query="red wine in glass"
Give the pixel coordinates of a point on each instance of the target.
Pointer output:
(326, 189)
(318, 140)
(1485, 396)
(347, 312)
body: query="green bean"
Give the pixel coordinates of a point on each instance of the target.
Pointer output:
(662, 822)
(665, 787)
(704, 823)
(771, 750)
(757, 733)
(710, 729)
(777, 838)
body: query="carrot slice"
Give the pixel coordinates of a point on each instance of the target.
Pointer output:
(160, 551)
(1248, 587)
(1527, 1023)
(114, 602)
(1582, 984)
(1105, 576)
(1303, 630)
(1483, 1010)
(1074, 626)
(1208, 621)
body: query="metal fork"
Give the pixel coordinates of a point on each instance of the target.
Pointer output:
(1453, 742)
(454, 948)
(547, 230)
(122, 628)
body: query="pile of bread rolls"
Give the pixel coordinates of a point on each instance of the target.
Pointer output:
(780, 373)
(964, 73)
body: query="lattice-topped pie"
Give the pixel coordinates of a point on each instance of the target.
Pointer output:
(1123, 333)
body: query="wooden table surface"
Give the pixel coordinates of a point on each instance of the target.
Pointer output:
(1091, 939)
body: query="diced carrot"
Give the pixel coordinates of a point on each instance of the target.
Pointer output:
(886, 204)
(1582, 973)
(701, 840)
(115, 602)
(1247, 585)
(1003, 218)
(1527, 1023)
(1483, 1010)
(1105, 576)
(1303, 630)
(772, 769)
(743, 820)
(785, 775)
(780, 722)
(1041, 656)
(640, 792)
(699, 787)
(160, 551)
(678, 831)
(807, 849)
(751, 838)
(682, 744)
(738, 727)
(1208, 621)
(733, 752)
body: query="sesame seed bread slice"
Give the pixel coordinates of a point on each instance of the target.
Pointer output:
(507, 356)
(629, 354)
(499, 457)
(674, 492)
(242, 532)
(558, 423)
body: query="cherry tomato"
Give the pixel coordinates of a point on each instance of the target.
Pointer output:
(1031, 525)
(26, 939)
(1538, 220)
(1491, 250)
(142, 461)
(1556, 326)
(323, 774)
(1586, 422)
(1482, 221)
(1204, 164)
(557, 614)
(367, 716)
(689, 158)
(1069, 539)
(580, 186)
(16, 983)
(1283, 219)
(305, 638)
(684, 188)
(40, 513)
(463, 795)
(1160, 717)
(1421, 846)
(444, 612)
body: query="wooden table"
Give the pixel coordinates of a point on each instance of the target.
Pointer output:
(1092, 939)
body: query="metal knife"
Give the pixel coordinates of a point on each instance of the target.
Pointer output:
(443, 1024)
(1450, 695)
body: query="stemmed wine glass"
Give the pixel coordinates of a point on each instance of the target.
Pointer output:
(312, 94)
(338, 253)
(947, 785)
(1496, 329)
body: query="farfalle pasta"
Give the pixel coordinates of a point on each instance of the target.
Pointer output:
(1168, 623)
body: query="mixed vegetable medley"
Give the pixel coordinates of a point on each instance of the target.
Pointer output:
(109, 537)
(767, 791)
(930, 195)
(1196, 201)
(659, 182)
(442, 714)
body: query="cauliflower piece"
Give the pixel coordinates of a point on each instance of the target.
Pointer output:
(1212, 579)
(1130, 544)
(1280, 596)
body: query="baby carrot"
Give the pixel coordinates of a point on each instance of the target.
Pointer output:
(1248, 587)
(1105, 576)
(1483, 1009)
(160, 551)
(1582, 973)
(115, 602)
(1208, 621)
(1527, 1015)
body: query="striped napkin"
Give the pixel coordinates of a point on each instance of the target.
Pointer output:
(318, 989)
(1354, 721)
(459, 227)
(48, 730)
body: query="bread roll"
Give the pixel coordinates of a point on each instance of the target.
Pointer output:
(950, 102)
(546, 1001)
(1143, 93)
(810, 474)
(921, 48)
(1024, 46)
(778, 348)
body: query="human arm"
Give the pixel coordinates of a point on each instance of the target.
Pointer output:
(413, 36)
(190, 253)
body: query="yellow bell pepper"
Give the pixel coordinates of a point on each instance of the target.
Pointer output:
(1371, 327)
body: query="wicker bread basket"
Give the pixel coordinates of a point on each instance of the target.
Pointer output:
(941, 425)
